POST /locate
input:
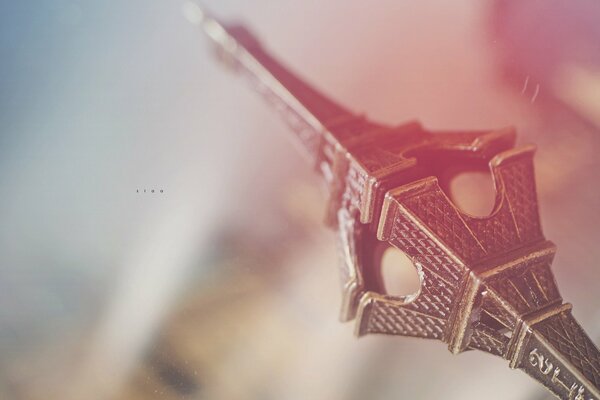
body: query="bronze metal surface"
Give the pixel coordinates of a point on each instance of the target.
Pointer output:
(485, 282)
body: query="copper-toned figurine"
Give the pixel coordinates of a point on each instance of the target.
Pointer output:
(486, 282)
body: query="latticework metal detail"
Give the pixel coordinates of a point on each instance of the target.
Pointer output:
(486, 281)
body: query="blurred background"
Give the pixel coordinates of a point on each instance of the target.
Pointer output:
(161, 238)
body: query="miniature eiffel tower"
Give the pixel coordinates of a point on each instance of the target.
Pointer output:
(486, 282)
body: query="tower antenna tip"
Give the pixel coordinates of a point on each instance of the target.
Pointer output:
(194, 12)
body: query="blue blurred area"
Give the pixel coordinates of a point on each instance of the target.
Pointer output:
(92, 95)
(100, 100)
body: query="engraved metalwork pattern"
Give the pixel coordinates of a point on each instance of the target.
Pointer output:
(486, 282)
(566, 336)
(518, 182)
(488, 339)
(385, 317)
(492, 308)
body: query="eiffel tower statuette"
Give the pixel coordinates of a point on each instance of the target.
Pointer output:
(485, 282)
